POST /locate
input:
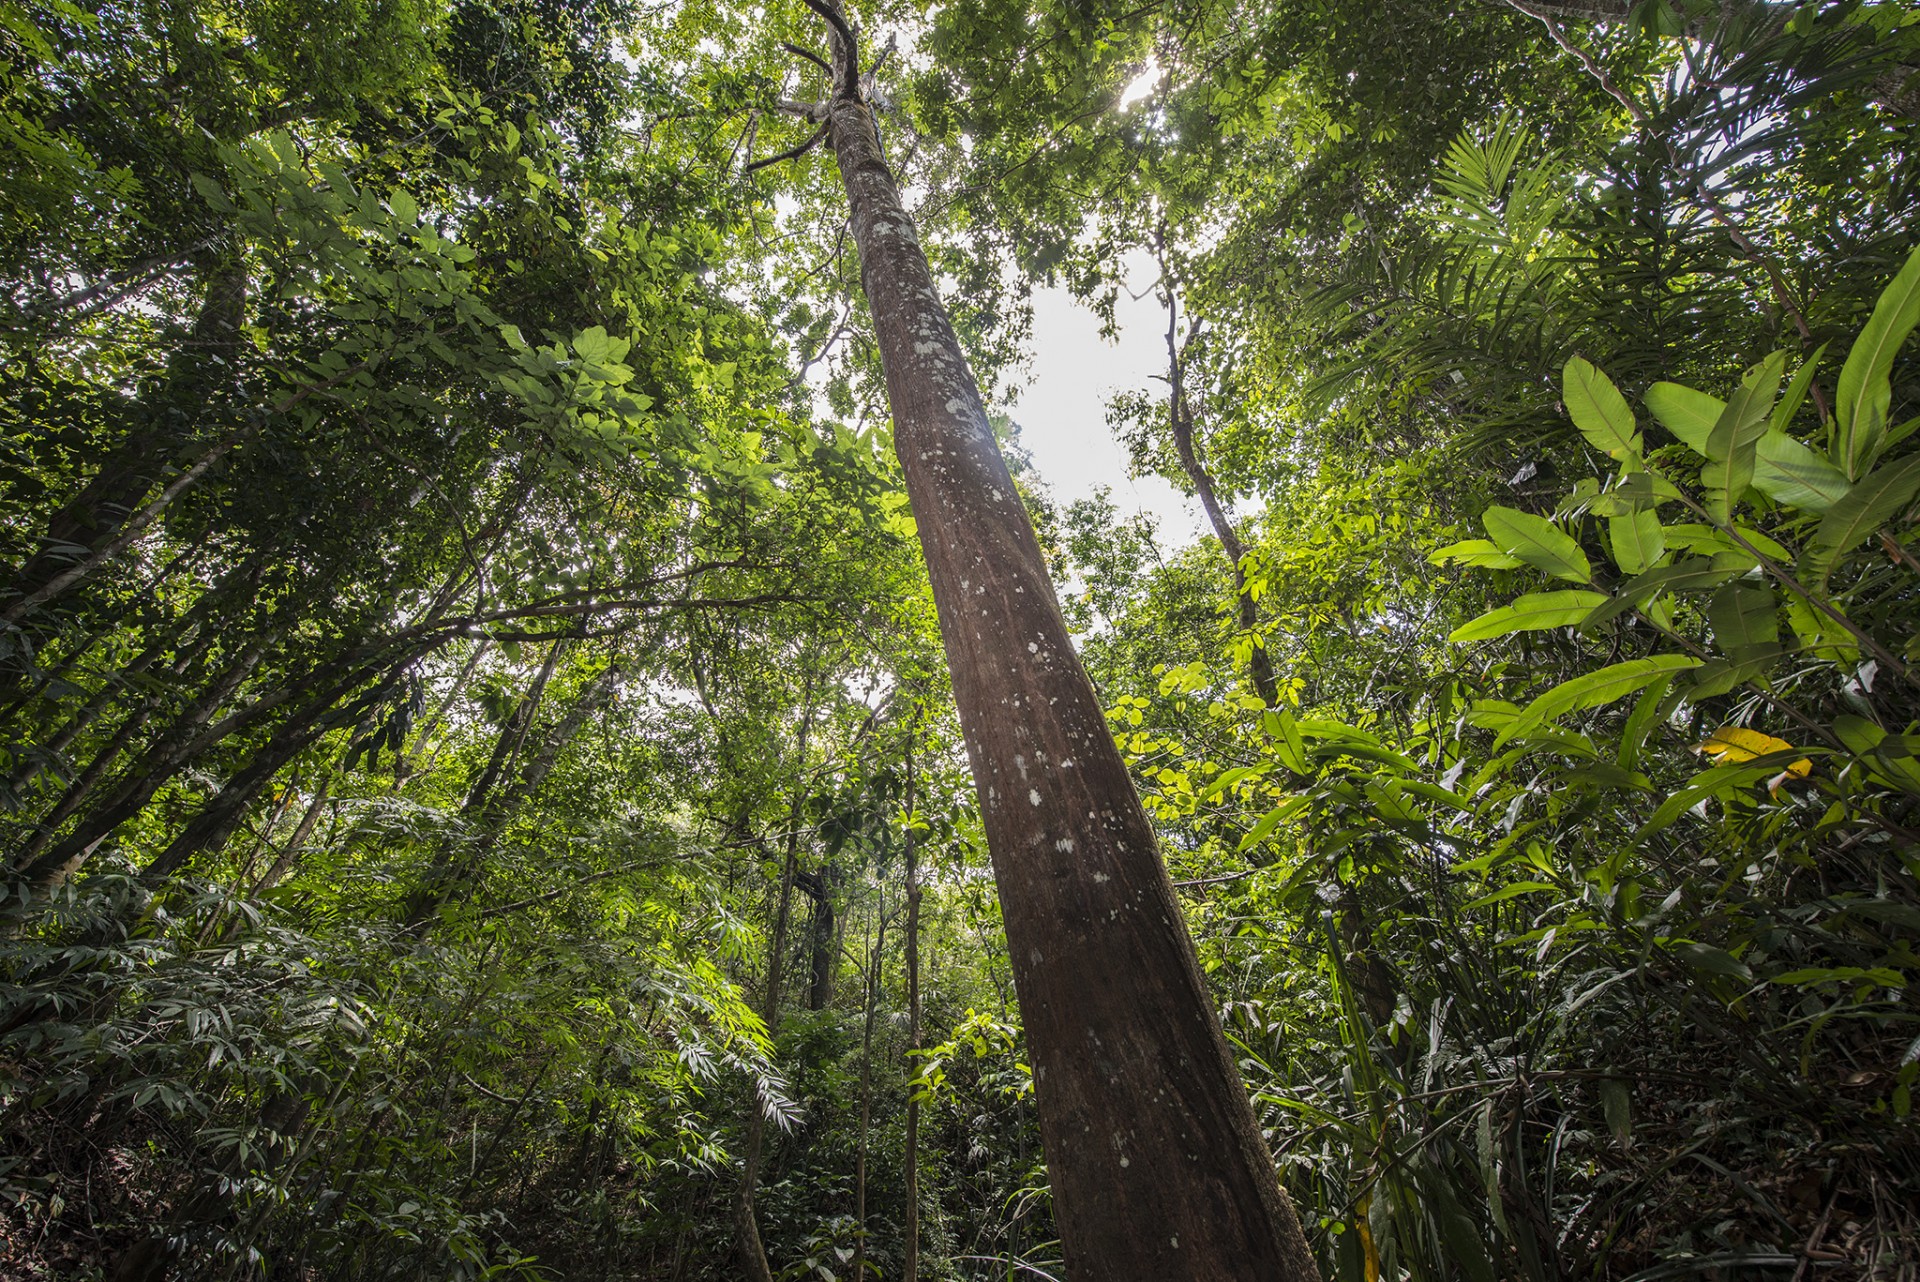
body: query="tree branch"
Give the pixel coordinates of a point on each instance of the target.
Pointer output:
(808, 54)
(791, 153)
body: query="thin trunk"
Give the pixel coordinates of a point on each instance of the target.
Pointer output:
(410, 764)
(1180, 418)
(874, 958)
(820, 932)
(45, 868)
(753, 1252)
(911, 1268)
(486, 803)
(112, 507)
(216, 821)
(1158, 1168)
(290, 853)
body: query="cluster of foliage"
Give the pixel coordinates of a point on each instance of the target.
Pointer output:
(472, 710)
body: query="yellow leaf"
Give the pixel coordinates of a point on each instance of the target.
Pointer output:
(1372, 1252)
(1731, 744)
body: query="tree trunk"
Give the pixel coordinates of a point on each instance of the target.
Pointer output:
(93, 520)
(487, 802)
(820, 944)
(1180, 418)
(910, 1271)
(1158, 1167)
(753, 1252)
(875, 956)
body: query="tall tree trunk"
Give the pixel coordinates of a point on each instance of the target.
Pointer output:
(1180, 419)
(753, 1252)
(820, 937)
(1158, 1167)
(910, 1271)
(875, 957)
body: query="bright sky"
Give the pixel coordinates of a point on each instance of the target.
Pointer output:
(1063, 411)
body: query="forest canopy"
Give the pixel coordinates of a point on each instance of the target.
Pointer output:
(537, 740)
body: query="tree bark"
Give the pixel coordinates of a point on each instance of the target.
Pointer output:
(820, 932)
(1180, 419)
(753, 1252)
(910, 1271)
(1158, 1167)
(875, 957)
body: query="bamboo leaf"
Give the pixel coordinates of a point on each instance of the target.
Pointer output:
(1745, 618)
(1868, 505)
(1479, 553)
(1736, 433)
(1797, 391)
(1596, 689)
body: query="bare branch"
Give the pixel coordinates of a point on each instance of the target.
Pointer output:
(792, 153)
(808, 54)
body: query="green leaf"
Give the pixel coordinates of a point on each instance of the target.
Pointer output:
(1717, 781)
(1513, 891)
(1717, 676)
(1691, 574)
(1797, 390)
(1745, 618)
(593, 344)
(1788, 472)
(1637, 539)
(1616, 1102)
(1869, 505)
(1688, 414)
(1531, 613)
(406, 210)
(1736, 433)
(1284, 730)
(1596, 689)
(1599, 411)
(1715, 961)
(1860, 735)
(1538, 542)
(1885, 976)
(1633, 736)
(1273, 819)
(1476, 552)
(1865, 393)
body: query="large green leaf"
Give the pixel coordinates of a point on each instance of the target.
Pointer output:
(1736, 433)
(1788, 472)
(1745, 618)
(1596, 689)
(1866, 507)
(1475, 552)
(1598, 410)
(1865, 394)
(1688, 414)
(1638, 541)
(1782, 418)
(1531, 613)
(1538, 542)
